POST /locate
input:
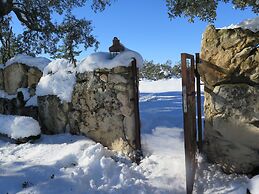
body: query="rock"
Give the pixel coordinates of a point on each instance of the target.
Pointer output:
(30, 111)
(120, 69)
(120, 87)
(8, 106)
(15, 76)
(229, 55)
(104, 78)
(230, 71)
(1, 79)
(19, 140)
(116, 78)
(53, 114)
(74, 120)
(232, 127)
(102, 109)
(129, 123)
(34, 75)
(2, 104)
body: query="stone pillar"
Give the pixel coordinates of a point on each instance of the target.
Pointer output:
(103, 108)
(230, 71)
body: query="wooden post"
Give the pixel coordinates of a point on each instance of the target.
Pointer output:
(189, 117)
(136, 111)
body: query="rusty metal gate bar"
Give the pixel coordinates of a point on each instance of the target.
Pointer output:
(189, 113)
(198, 86)
(138, 153)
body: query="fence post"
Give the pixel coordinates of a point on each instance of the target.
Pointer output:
(138, 152)
(189, 117)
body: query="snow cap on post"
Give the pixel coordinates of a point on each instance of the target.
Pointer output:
(119, 55)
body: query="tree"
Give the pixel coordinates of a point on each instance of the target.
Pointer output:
(152, 71)
(205, 10)
(43, 34)
(176, 70)
(10, 44)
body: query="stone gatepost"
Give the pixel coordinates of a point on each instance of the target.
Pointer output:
(103, 108)
(230, 71)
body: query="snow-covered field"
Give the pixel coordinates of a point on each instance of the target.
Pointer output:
(66, 164)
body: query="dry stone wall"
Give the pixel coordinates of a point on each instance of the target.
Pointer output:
(230, 71)
(12, 78)
(103, 108)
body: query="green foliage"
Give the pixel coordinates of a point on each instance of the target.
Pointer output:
(205, 10)
(43, 34)
(152, 71)
(9, 43)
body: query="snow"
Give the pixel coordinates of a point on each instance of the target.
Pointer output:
(18, 126)
(58, 79)
(32, 101)
(254, 185)
(74, 164)
(148, 86)
(106, 60)
(3, 94)
(25, 92)
(39, 62)
(1, 66)
(251, 24)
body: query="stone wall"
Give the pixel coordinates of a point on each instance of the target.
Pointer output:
(103, 108)
(53, 114)
(12, 78)
(230, 71)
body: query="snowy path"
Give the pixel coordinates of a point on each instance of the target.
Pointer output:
(73, 164)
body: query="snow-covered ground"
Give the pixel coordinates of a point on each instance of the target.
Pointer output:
(74, 164)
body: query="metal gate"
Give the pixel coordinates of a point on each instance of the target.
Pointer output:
(191, 134)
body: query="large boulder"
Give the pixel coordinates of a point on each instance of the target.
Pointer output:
(230, 71)
(232, 127)
(15, 76)
(53, 114)
(19, 76)
(34, 75)
(229, 55)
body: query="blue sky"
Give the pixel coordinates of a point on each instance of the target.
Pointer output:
(145, 27)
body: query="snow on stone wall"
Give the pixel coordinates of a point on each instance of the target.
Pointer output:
(96, 98)
(38, 62)
(58, 79)
(18, 80)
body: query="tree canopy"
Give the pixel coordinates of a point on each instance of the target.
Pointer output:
(41, 33)
(205, 10)
(65, 37)
(156, 71)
